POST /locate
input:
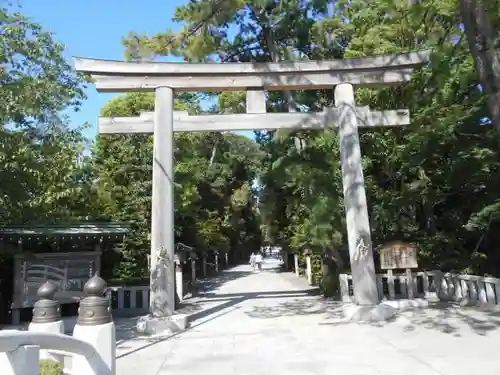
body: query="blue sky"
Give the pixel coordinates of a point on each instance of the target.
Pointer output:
(94, 28)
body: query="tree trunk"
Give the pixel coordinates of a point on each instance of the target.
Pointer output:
(481, 38)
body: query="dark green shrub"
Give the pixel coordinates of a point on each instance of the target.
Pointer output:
(330, 284)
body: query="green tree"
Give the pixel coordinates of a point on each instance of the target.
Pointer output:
(44, 177)
(213, 176)
(36, 82)
(419, 180)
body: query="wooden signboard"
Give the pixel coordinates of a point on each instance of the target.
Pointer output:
(69, 271)
(398, 255)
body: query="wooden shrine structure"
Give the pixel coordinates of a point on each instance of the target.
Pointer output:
(66, 255)
(254, 78)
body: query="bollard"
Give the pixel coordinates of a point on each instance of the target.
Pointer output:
(216, 259)
(179, 277)
(439, 284)
(204, 263)
(193, 257)
(296, 264)
(95, 326)
(309, 274)
(47, 317)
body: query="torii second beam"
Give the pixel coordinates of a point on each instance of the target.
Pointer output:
(249, 121)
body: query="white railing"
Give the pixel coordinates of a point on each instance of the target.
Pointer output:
(129, 300)
(466, 289)
(20, 353)
(132, 300)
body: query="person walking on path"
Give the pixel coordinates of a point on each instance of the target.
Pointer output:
(252, 260)
(258, 261)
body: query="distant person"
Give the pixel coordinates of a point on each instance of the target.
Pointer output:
(252, 260)
(258, 261)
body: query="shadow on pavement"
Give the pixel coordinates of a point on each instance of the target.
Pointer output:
(199, 315)
(448, 318)
(215, 282)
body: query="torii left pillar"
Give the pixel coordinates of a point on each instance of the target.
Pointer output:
(162, 273)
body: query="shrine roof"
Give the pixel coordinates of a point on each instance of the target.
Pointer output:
(81, 231)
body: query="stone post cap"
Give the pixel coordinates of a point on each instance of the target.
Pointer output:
(95, 287)
(95, 308)
(344, 93)
(46, 310)
(180, 257)
(47, 290)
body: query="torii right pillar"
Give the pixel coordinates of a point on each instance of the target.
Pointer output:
(358, 223)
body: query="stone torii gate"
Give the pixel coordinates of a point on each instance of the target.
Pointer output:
(254, 78)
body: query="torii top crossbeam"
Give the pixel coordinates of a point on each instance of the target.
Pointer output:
(120, 76)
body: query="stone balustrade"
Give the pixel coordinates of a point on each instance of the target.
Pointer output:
(465, 289)
(91, 350)
(192, 265)
(469, 290)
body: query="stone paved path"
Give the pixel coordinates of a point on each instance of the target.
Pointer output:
(267, 323)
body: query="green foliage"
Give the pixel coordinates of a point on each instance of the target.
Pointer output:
(330, 284)
(36, 81)
(434, 182)
(49, 367)
(44, 177)
(213, 194)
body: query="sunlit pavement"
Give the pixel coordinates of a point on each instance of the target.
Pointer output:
(269, 323)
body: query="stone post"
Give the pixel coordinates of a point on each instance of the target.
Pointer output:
(440, 284)
(391, 285)
(216, 259)
(309, 269)
(162, 273)
(410, 284)
(193, 258)
(296, 263)
(226, 259)
(204, 263)
(179, 282)
(47, 317)
(358, 225)
(95, 326)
